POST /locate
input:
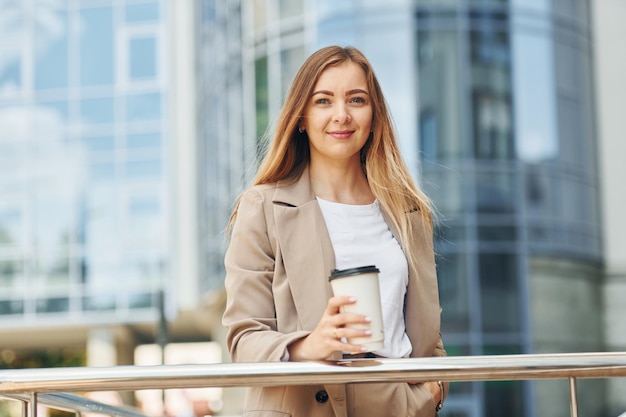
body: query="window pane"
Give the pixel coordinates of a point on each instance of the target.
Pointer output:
(11, 226)
(51, 50)
(96, 46)
(262, 96)
(96, 110)
(499, 292)
(495, 192)
(439, 92)
(141, 107)
(452, 274)
(99, 143)
(144, 140)
(10, 71)
(144, 169)
(145, 12)
(11, 271)
(142, 58)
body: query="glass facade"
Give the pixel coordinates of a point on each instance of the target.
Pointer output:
(83, 159)
(494, 108)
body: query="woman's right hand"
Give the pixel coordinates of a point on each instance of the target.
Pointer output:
(330, 333)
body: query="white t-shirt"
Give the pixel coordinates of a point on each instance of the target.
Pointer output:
(361, 237)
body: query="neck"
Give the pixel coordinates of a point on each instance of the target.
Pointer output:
(341, 183)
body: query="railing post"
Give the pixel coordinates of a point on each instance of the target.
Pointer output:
(24, 408)
(32, 405)
(573, 397)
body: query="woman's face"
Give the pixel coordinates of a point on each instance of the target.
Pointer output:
(338, 115)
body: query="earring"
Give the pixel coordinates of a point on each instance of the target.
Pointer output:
(300, 129)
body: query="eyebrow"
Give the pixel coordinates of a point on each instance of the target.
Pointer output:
(349, 93)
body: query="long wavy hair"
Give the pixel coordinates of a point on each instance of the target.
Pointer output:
(386, 172)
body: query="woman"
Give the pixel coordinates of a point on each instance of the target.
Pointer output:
(332, 193)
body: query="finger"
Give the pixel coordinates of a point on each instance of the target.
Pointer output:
(335, 303)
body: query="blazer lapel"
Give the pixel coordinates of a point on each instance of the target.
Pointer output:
(307, 251)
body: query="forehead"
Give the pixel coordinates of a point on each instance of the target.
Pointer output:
(345, 76)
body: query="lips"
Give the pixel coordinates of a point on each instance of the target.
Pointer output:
(341, 134)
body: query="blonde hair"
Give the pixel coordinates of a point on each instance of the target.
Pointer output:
(387, 174)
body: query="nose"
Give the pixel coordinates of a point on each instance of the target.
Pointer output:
(342, 115)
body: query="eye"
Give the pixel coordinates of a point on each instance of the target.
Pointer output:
(322, 101)
(357, 100)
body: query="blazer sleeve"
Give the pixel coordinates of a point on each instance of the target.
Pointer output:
(249, 316)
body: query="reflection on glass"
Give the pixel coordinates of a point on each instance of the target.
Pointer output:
(491, 90)
(290, 61)
(290, 8)
(11, 271)
(143, 140)
(262, 97)
(54, 266)
(96, 46)
(51, 60)
(97, 110)
(99, 143)
(428, 135)
(142, 12)
(495, 192)
(102, 172)
(57, 109)
(53, 305)
(99, 302)
(498, 273)
(10, 307)
(141, 107)
(145, 218)
(439, 92)
(10, 71)
(55, 219)
(144, 169)
(452, 275)
(504, 398)
(11, 226)
(535, 108)
(445, 187)
(142, 57)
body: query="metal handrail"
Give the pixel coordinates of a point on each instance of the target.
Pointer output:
(461, 368)
(76, 404)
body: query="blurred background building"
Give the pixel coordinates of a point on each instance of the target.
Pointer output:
(128, 127)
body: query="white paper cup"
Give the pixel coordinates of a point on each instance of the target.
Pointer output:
(362, 284)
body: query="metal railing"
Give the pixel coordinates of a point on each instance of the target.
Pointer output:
(34, 384)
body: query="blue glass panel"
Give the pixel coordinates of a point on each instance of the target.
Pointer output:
(51, 51)
(96, 110)
(145, 140)
(58, 108)
(145, 12)
(53, 305)
(142, 58)
(10, 307)
(102, 172)
(96, 46)
(11, 226)
(100, 143)
(11, 271)
(10, 72)
(143, 169)
(144, 206)
(140, 107)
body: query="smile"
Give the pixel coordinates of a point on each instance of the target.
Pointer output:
(341, 134)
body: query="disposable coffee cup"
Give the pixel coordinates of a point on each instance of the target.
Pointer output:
(362, 284)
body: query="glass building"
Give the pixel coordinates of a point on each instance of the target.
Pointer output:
(494, 105)
(83, 159)
(128, 128)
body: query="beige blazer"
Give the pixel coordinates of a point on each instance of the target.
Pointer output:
(277, 267)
